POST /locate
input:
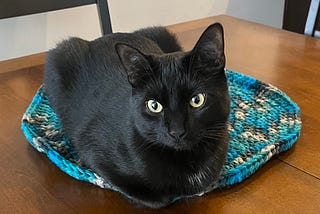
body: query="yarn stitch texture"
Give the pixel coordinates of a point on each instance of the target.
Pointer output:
(263, 122)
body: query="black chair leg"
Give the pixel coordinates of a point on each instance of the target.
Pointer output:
(103, 11)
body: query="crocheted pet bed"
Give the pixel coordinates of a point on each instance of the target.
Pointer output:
(263, 122)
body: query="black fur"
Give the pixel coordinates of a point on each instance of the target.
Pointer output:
(99, 90)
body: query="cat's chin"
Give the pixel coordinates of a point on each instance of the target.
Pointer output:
(181, 145)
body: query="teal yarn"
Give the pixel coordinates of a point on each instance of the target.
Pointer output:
(263, 122)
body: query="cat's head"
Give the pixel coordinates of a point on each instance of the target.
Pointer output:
(179, 99)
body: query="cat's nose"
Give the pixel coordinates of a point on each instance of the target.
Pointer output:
(177, 133)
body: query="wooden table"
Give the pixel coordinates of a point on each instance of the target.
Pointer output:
(290, 183)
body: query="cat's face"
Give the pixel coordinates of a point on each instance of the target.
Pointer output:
(180, 99)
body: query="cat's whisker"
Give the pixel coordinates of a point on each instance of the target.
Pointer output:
(214, 137)
(143, 146)
(222, 127)
(140, 148)
(217, 125)
(217, 131)
(214, 133)
(162, 148)
(146, 145)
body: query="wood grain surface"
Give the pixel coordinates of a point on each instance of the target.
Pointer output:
(289, 183)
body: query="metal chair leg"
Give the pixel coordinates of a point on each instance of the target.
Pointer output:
(312, 16)
(103, 11)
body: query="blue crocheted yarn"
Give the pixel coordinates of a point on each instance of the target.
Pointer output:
(263, 122)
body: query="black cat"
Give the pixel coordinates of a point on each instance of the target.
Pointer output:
(143, 114)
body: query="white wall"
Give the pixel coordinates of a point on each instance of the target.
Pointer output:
(37, 33)
(31, 34)
(21, 36)
(269, 12)
(128, 15)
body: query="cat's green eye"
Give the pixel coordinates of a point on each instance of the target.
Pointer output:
(154, 106)
(197, 100)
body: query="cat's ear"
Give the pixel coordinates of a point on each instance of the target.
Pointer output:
(208, 53)
(135, 63)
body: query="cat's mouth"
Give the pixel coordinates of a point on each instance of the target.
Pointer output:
(182, 144)
(182, 147)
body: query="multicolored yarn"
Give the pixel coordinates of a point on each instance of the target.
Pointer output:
(263, 122)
